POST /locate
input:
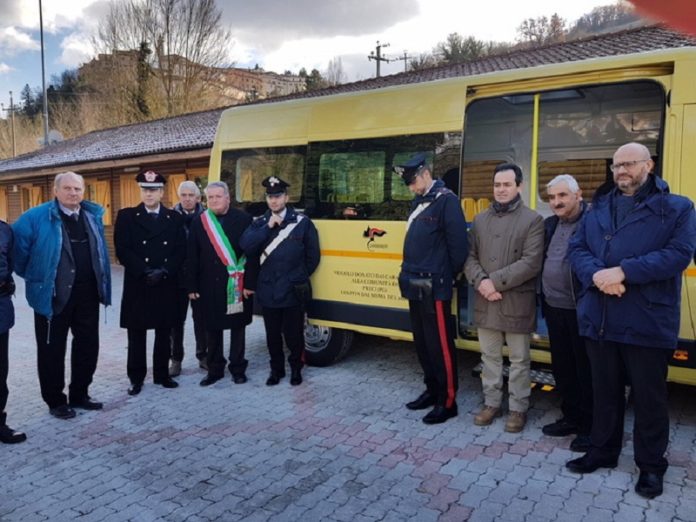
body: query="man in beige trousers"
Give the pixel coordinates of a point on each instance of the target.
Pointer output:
(506, 246)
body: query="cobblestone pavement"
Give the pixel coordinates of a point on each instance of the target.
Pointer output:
(339, 447)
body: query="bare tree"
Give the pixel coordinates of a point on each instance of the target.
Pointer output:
(334, 74)
(422, 61)
(187, 38)
(603, 18)
(542, 30)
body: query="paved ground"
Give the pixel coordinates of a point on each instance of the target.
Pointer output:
(339, 447)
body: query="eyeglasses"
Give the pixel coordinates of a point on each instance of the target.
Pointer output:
(626, 164)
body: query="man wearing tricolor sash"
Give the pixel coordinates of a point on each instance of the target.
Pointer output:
(223, 279)
(288, 245)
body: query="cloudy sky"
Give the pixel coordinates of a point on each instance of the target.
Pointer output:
(276, 34)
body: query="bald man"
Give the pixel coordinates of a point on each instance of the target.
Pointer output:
(628, 254)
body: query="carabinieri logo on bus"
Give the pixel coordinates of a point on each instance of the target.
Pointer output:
(372, 233)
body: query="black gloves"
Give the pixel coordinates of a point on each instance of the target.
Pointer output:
(153, 276)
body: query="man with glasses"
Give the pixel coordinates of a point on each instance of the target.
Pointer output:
(435, 249)
(629, 254)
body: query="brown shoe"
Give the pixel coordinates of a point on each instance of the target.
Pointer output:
(486, 415)
(515, 421)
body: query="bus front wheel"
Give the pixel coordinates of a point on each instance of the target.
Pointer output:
(324, 345)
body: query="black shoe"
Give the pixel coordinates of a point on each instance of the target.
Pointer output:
(649, 484)
(296, 377)
(440, 414)
(274, 378)
(560, 428)
(62, 412)
(86, 404)
(424, 400)
(581, 444)
(135, 388)
(10, 436)
(210, 379)
(239, 379)
(588, 464)
(167, 382)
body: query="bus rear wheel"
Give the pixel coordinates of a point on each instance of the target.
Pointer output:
(325, 345)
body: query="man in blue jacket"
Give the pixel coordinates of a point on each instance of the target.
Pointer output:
(288, 245)
(435, 249)
(629, 254)
(61, 253)
(7, 287)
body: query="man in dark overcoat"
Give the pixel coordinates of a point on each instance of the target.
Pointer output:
(151, 245)
(223, 279)
(288, 245)
(629, 254)
(189, 206)
(7, 287)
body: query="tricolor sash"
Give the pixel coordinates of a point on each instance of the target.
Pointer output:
(235, 267)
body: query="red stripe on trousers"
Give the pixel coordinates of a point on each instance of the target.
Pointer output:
(444, 345)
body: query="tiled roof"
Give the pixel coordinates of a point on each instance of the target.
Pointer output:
(186, 132)
(197, 130)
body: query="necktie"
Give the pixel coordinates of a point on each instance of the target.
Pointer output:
(75, 216)
(153, 215)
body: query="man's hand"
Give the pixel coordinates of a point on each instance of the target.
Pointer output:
(617, 289)
(487, 289)
(154, 275)
(194, 295)
(608, 277)
(495, 296)
(275, 221)
(247, 293)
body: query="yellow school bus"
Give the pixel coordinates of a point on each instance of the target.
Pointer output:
(337, 151)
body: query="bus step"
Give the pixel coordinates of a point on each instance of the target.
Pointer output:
(541, 379)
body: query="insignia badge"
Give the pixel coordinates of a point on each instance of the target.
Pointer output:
(150, 176)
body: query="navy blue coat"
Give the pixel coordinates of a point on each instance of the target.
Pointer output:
(436, 243)
(289, 265)
(653, 246)
(6, 308)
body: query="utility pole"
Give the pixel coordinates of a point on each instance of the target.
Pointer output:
(11, 112)
(43, 79)
(376, 55)
(405, 58)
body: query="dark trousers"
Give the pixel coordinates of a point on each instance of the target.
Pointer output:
(137, 355)
(80, 316)
(571, 366)
(216, 356)
(433, 334)
(177, 353)
(285, 323)
(646, 369)
(4, 365)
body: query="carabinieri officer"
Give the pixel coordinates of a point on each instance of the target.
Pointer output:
(435, 249)
(288, 244)
(151, 245)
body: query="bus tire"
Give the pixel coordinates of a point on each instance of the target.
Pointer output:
(325, 345)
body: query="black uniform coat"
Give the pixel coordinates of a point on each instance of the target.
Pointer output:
(144, 243)
(207, 275)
